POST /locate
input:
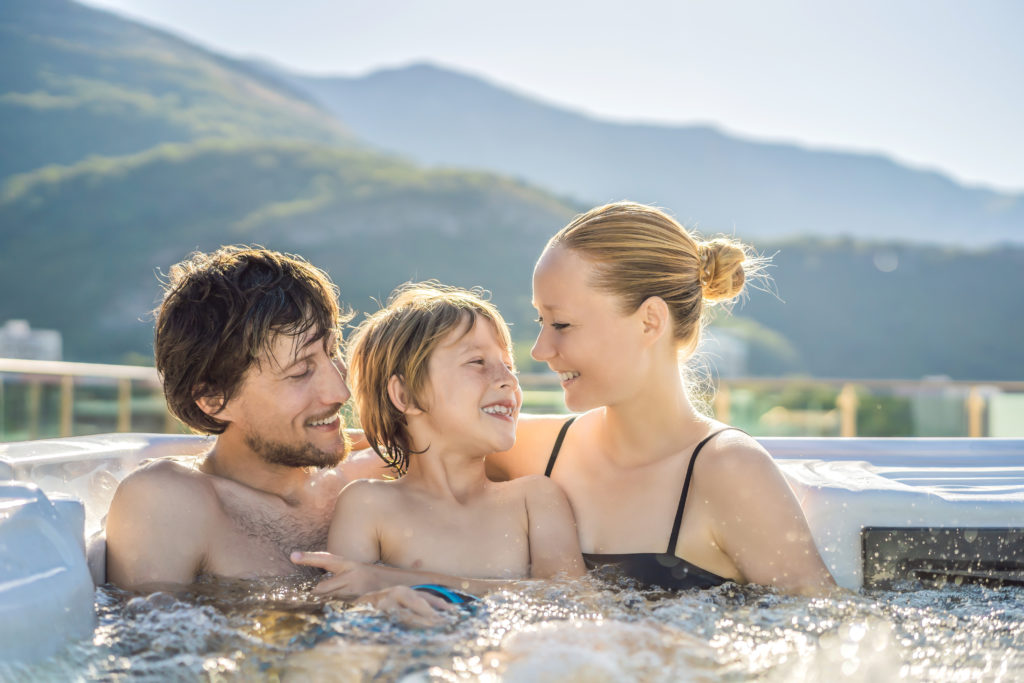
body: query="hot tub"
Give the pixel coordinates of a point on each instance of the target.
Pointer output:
(880, 510)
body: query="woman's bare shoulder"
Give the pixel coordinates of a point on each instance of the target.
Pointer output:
(734, 461)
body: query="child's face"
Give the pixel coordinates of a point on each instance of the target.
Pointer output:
(473, 395)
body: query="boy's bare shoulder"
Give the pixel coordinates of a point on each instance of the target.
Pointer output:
(368, 491)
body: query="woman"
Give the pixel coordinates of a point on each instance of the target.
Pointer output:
(674, 498)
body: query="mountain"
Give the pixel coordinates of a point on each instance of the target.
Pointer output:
(710, 180)
(146, 148)
(76, 82)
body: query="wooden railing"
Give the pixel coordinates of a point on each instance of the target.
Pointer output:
(847, 400)
(33, 374)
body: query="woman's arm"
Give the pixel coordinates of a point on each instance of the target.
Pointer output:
(554, 544)
(535, 435)
(758, 522)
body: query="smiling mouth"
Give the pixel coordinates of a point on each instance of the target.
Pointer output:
(566, 376)
(502, 410)
(326, 421)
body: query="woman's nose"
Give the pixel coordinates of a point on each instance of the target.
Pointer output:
(541, 350)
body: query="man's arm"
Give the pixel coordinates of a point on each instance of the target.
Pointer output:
(156, 527)
(554, 543)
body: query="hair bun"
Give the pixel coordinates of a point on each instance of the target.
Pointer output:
(721, 268)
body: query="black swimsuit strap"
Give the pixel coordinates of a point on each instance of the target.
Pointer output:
(674, 538)
(558, 446)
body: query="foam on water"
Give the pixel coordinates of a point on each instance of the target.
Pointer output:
(589, 630)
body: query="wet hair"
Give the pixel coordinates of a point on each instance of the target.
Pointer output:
(398, 340)
(221, 312)
(639, 251)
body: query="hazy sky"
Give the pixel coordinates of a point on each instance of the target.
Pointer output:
(933, 83)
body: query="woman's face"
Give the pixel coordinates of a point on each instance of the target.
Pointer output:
(584, 335)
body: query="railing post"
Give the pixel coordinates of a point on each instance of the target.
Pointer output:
(35, 403)
(722, 403)
(975, 412)
(67, 405)
(124, 405)
(847, 403)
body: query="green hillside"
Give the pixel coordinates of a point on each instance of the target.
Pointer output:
(76, 81)
(881, 310)
(80, 245)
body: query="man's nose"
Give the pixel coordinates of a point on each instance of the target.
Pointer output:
(335, 387)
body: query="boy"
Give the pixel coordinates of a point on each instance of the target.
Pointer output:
(436, 392)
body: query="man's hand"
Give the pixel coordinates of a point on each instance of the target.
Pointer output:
(348, 579)
(409, 607)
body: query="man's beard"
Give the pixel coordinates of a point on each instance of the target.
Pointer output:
(297, 455)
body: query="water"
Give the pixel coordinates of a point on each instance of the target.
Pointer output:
(587, 630)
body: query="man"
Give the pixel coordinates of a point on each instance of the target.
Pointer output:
(246, 345)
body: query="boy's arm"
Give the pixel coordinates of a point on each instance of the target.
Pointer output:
(353, 532)
(554, 544)
(350, 578)
(156, 528)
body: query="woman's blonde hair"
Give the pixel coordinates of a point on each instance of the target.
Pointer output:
(397, 341)
(639, 251)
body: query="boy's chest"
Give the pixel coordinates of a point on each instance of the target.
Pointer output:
(487, 541)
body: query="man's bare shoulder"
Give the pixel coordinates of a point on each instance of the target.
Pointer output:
(363, 464)
(167, 481)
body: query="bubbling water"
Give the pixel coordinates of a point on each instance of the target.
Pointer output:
(590, 629)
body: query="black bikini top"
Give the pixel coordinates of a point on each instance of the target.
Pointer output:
(654, 569)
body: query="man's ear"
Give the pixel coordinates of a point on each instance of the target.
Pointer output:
(400, 398)
(654, 318)
(213, 406)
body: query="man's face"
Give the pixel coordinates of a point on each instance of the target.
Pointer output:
(288, 407)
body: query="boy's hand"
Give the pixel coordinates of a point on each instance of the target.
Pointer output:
(348, 579)
(409, 607)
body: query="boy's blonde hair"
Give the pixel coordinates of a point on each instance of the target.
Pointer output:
(397, 341)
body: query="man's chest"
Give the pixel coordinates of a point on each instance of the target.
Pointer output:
(250, 539)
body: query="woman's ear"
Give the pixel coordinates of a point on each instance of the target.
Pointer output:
(654, 318)
(400, 398)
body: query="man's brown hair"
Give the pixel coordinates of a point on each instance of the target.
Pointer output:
(222, 311)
